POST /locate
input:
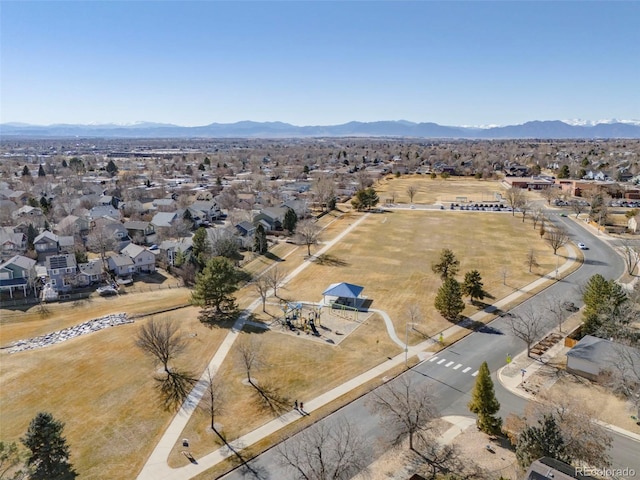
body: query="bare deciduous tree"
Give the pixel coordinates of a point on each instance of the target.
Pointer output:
(630, 255)
(515, 198)
(577, 206)
(532, 261)
(536, 216)
(550, 194)
(161, 340)
(406, 409)
(556, 237)
(250, 354)
(275, 276)
(323, 452)
(262, 285)
(308, 231)
(213, 400)
(527, 326)
(411, 191)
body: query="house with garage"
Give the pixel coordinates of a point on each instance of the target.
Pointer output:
(593, 357)
(11, 242)
(170, 249)
(164, 220)
(245, 229)
(121, 265)
(207, 210)
(271, 218)
(141, 232)
(104, 211)
(90, 273)
(61, 271)
(19, 273)
(45, 244)
(144, 261)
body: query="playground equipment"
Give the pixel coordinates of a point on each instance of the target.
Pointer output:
(345, 311)
(297, 315)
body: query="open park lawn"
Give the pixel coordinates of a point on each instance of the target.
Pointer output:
(394, 189)
(33, 321)
(101, 386)
(299, 368)
(391, 254)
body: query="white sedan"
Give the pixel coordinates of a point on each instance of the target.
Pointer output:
(582, 246)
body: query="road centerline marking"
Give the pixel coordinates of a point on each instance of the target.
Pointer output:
(466, 370)
(433, 359)
(443, 360)
(457, 366)
(449, 364)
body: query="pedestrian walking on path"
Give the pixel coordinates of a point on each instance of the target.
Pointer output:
(296, 405)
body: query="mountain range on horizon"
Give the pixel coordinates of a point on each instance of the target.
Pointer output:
(549, 129)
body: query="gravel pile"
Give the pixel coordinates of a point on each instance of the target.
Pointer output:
(71, 332)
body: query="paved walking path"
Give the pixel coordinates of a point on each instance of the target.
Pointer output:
(156, 467)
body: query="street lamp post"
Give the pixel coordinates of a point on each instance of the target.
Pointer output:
(406, 344)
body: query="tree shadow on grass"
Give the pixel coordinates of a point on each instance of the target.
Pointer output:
(274, 257)
(330, 261)
(224, 319)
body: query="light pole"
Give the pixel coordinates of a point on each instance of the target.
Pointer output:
(406, 343)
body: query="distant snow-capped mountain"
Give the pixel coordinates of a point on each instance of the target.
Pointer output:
(554, 129)
(591, 123)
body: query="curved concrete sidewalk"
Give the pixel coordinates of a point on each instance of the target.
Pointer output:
(156, 467)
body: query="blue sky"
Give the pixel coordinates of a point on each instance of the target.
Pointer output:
(318, 63)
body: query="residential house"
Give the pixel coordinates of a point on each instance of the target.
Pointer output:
(298, 206)
(30, 214)
(169, 249)
(90, 272)
(66, 244)
(141, 232)
(270, 218)
(164, 204)
(164, 221)
(593, 356)
(72, 225)
(18, 197)
(121, 265)
(46, 244)
(207, 210)
(104, 211)
(61, 271)
(144, 261)
(113, 232)
(17, 273)
(11, 242)
(245, 229)
(546, 467)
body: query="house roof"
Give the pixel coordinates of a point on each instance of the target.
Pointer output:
(21, 261)
(547, 467)
(163, 219)
(120, 260)
(46, 235)
(246, 226)
(93, 267)
(275, 213)
(132, 250)
(67, 260)
(66, 241)
(136, 225)
(345, 290)
(604, 353)
(181, 245)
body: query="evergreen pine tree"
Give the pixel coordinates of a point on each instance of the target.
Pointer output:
(48, 451)
(32, 233)
(290, 220)
(472, 285)
(26, 172)
(448, 265)
(41, 172)
(544, 440)
(449, 299)
(200, 248)
(484, 403)
(260, 240)
(215, 286)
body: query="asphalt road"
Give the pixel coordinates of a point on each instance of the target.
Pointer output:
(450, 373)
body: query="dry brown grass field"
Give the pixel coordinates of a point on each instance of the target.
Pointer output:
(438, 190)
(101, 386)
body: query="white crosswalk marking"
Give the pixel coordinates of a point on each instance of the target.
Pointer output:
(433, 359)
(443, 360)
(474, 373)
(466, 370)
(449, 364)
(457, 366)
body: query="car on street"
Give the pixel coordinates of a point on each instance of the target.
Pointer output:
(582, 246)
